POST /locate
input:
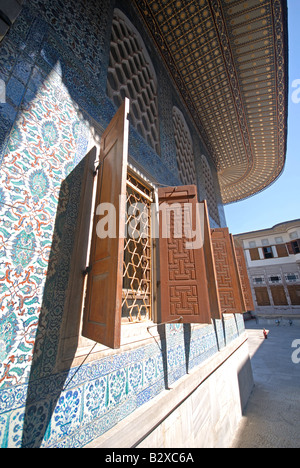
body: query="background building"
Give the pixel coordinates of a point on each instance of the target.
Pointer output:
(273, 262)
(86, 355)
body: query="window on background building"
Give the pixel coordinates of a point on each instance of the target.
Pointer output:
(274, 279)
(268, 252)
(120, 277)
(293, 247)
(291, 277)
(259, 280)
(131, 74)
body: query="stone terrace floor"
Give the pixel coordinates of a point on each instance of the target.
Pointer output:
(272, 416)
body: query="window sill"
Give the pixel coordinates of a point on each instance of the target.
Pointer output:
(133, 336)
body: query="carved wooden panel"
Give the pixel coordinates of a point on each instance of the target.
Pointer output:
(184, 291)
(242, 266)
(229, 284)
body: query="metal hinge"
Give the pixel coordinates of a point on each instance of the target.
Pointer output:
(97, 168)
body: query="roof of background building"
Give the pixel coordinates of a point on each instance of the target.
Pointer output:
(280, 227)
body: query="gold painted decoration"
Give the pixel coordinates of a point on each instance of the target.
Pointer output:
(229, 61)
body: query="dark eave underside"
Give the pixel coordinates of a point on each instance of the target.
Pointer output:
(229, 61)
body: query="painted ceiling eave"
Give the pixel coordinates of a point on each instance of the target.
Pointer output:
(229, 60)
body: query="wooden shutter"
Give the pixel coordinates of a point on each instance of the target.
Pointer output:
(242, 266)
(282, 250)
(184, 291)
(262, 296)
(214, 299)
(229, 284)
(102, 314)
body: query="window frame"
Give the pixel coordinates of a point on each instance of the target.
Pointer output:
(73, 347)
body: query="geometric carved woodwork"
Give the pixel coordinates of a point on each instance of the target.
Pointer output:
(228, 279)
(246, 288)
(184, 149)
(131, 74)
(294, 293)
(184, 291)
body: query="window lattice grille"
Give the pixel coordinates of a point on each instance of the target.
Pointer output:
(130, 74)
(137, 284)
(184, 149)
(210, 191)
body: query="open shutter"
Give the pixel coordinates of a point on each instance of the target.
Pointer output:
(229, 285)
(282, 251)
(254, 254)
(102, 314)
(214, 299)
(184, 291)
(242, 266)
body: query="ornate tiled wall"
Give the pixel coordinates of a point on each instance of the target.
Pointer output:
(73, 408)
(55, 92)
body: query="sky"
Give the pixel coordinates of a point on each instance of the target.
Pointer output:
(281, 201)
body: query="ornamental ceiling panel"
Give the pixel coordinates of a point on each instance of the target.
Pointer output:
(229, 61)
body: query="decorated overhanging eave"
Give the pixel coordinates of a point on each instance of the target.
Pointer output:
(229, 60)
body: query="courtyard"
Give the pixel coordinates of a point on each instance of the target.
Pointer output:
(272, 416)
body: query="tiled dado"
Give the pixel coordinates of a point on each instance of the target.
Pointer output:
(87, 401)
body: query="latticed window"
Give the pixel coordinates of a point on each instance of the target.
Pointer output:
(136, 296)
(184, 149)
(120, 281)
(210, 191)
(131, 75)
